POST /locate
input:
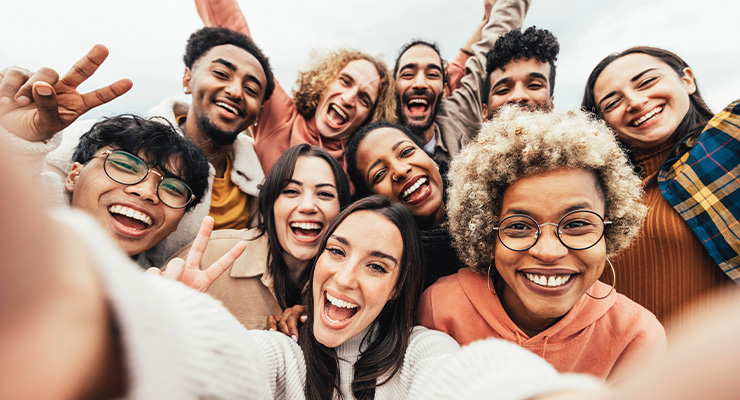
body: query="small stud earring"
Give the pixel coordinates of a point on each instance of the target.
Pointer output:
(186, 90)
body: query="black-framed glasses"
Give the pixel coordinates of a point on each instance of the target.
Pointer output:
(128, 169)
(577, 230)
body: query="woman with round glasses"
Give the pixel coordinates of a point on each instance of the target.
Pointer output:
(537, 205)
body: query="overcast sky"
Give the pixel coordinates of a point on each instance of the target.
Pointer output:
(146, 38)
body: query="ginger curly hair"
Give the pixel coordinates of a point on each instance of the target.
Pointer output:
(313, 82)
(520, 142)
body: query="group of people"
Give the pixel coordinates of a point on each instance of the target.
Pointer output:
(375, 221)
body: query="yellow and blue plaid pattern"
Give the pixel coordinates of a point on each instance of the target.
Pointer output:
(703, 186)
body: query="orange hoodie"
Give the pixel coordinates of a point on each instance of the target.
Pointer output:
(597, 337)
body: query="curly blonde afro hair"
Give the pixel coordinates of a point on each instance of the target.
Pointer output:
(324, 68)
(520, 142)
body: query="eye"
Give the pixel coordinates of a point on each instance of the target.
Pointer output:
(123, 166)
(501, 92)
(407, 75)
(251, 91)
(326, 195)
(365, 101)
(519, 228)
(406, 152)
(379, 176)
(610, 105)
(535, 86)
(344, 81)
(335, 251)
(173, 186)
(289, 192)
(378, 268)
(434, 75)
(220, 74)
(647, 82)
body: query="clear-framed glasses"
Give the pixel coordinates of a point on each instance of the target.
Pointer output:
(577, 230)
(128, 169)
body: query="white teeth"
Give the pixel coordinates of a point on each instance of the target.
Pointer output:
(306, 225)
(414, 187)
(339, 303)
(130, 212)
(549, 281)
(646, 117)
(228, 107)
(339, 111)
(419, 101)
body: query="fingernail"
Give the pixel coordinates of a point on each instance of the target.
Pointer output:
(5, 100)
(271, 329)
(23, 100)
(43, 90)
(295, 339)
(304, 318)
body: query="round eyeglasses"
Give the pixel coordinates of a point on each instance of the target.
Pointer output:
(128, 169)
(577, 230)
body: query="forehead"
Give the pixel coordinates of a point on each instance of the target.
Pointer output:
(364, 74)
(379, 141)
(420, 55)
(554, 191)
(621, 71)
(386, 237)
(521, 69)
(244, 61)
(313, 169)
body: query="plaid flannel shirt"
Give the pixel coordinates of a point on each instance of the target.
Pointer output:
(703, 186)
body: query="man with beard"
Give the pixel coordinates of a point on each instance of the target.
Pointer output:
(446, 123)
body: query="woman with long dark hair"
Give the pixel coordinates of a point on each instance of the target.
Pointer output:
(687, 157)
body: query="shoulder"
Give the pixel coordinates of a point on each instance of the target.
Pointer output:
(630, 315)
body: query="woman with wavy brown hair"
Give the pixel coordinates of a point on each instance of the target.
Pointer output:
(339, 93)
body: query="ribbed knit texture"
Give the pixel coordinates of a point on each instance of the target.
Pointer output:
(666, 267)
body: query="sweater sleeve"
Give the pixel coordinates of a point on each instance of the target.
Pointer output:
(648, 340)
(225, 13)
(455, 71)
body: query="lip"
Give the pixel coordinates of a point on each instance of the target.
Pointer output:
(128, 231)
(549, 291)
(655, 119)
(304, 239)
(330, 121)
(333, 324)
(427, 192)
(226, 114)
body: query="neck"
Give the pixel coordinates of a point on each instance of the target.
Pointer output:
(296, 269)
(427, 135)
(215, 153)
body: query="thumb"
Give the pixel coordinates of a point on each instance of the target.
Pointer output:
(45, 99)
(174, 269)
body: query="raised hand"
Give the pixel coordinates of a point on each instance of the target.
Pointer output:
(37, 105)
(188, 271)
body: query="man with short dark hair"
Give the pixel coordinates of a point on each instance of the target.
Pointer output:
(446, 124)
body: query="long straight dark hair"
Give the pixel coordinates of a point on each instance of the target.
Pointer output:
(696, 117)
(389, 334)
(286, 292)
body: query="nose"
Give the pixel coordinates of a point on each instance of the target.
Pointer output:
(634, 100)
(519, 94)
(399, 171)
(419, 81)
(345, 276)
(146, 189)
(307, 204)
(548, 248)
(349, 96)
(234, 89)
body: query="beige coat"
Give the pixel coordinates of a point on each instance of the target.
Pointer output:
(246, 287)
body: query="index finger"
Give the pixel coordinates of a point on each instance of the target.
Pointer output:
(86, 66)
(106, 94)
(195, 254)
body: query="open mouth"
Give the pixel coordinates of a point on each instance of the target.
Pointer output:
(417, 106)
(231, 109)
(550, 281)
(416, 191)
(337, 310)
(306, 230)
(648, 117)
(129, 217)
(336, 116)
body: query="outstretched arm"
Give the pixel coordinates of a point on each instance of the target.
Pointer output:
(37, 105)
(456, 68)
(225, 13)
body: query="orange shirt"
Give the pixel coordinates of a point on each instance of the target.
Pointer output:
(229, 207)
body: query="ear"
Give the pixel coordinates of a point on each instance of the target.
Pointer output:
(484, 111)
(552, 102)
(186, 80)
(74, 174)
(688, 80)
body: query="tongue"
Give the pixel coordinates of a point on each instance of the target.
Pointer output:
(306, 232)
(417, 193)
(335, 117)
(340, 313)
(129, 222)
(417, 109)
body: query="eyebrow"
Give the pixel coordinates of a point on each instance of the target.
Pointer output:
(530, 75)
(574, 207)
(374, 253)
(394, 147)
(416, 65)
(634, 79)
(231, 66)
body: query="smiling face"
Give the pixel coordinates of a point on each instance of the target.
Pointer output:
(131, 214)
(643, 99)
(305, 207)
(227, 84)
(419, 86)
(355, 276)
(393, 166)
(532, 299)
(523, 81)
(348, 101)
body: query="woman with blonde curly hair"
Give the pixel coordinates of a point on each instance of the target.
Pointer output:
(536, 206)
(338, 94)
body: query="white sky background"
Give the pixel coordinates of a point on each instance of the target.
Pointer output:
(147, 38)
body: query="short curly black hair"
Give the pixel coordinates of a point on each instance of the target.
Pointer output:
(207, 38)
(154, 140)
(539, 44)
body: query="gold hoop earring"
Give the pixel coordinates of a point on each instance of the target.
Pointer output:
(489, 279)
(614, 281)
